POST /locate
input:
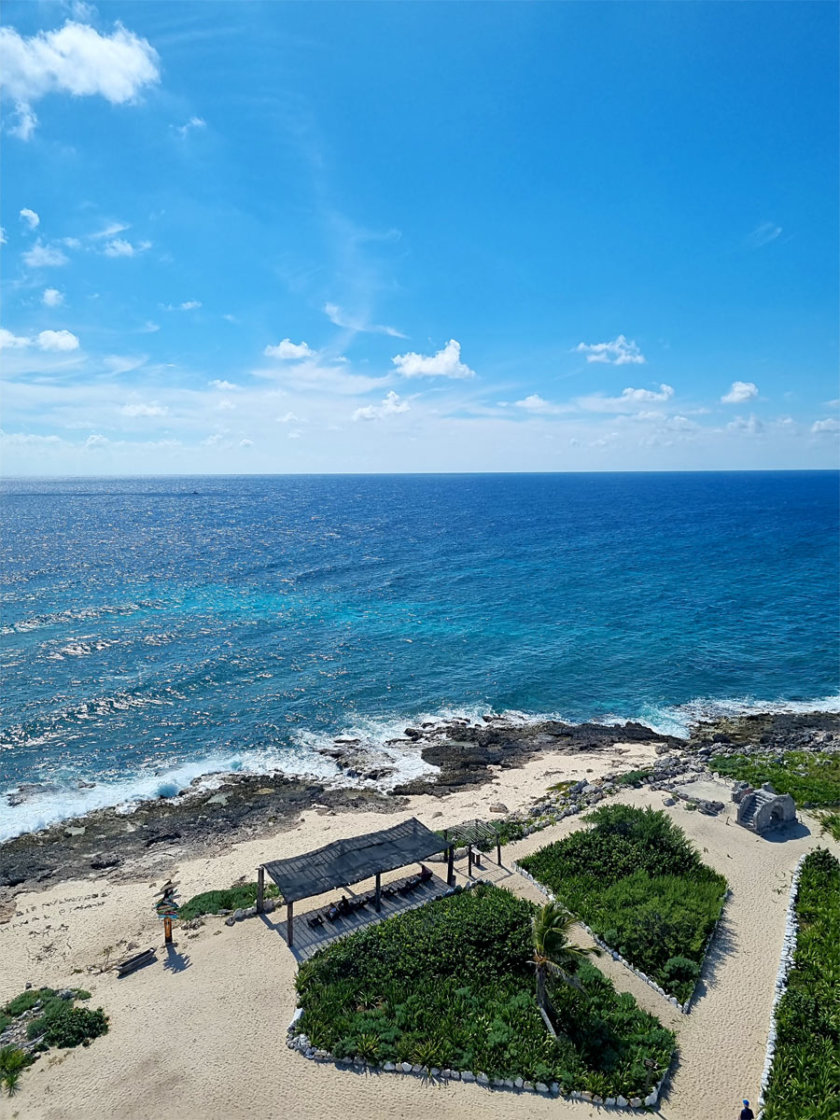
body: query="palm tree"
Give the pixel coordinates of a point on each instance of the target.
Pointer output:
(12, 1063)
(552, 953)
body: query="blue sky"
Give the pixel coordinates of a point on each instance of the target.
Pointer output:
(267, 237)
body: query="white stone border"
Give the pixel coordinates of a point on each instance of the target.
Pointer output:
(300, 1042)
(683, 1008)
(785, 965)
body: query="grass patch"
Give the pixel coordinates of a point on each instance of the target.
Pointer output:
(805, 1078)
(812, 780)
(633, 777)
(639, 883)
(451, 985)
(830, 824)
(235, 898)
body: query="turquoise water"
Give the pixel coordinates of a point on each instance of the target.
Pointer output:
(158, 629)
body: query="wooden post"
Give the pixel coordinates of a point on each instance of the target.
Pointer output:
(469, 861)
(378, 901)
(498, 851)
(450, 866)
(167, 930)
(290, 923)
(260, 888)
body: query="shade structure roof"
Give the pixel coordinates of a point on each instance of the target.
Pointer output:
(350, 861)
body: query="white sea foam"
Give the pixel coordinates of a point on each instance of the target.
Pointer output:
(307, 759)
(679, 719)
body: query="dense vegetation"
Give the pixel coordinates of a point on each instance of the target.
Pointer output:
(830, 824)
(450, 985)
(638, 882)
(805, 1078)
(810, 778)
(57, 1023)
(235, 898)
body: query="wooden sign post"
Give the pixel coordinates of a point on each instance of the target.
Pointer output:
(166, 908)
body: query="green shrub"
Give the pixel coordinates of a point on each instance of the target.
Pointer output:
(805, 1076)
(680, 970)
(451, 985)
(4, 1021)
(638, 882)
(71, 1026)
(830, 824)
(812, 779)
(235, 898)
(27, 1000)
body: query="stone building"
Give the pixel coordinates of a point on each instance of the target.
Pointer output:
(763, 809)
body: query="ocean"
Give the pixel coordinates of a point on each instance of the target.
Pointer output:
(157, 630)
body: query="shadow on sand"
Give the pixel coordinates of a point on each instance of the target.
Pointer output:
(175, 961)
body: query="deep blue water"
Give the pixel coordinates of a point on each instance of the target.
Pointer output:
(155, 629)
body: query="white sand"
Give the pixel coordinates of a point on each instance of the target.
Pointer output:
(208, 1039)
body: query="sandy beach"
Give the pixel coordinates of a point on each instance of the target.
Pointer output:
(202, 1033)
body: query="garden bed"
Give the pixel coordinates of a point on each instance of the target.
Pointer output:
(450, 986)
(804, 1081)
(641, 887)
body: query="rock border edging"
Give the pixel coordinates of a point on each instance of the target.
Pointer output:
(300, 1042)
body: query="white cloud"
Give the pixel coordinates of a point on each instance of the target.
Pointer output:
(25, 121)
(390, 406)
(445, 363)
(2, 236)
(289, 418)
(96, 441)
(58, 340)
(225, 405)
(288, 351)
(620, 352)
(763, 235)
(74, 59)
(71, 242)
(629, 400)
(140, 409)
(225, 386)
(119, 363)
(192, 123)
(110, 230)
(44, 256)
(52, 297)
(750, 426)
(741, 391)
(342, 318)
(9, 341)
(642, 396)
(119, 247)
(829, 425)
(149, 327)
(46, 340)
(246, 443)
(535, 403)
(30, 217)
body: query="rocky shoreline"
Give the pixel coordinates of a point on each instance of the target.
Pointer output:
(130, 845)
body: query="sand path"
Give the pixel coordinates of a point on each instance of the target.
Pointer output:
(203, 1035)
